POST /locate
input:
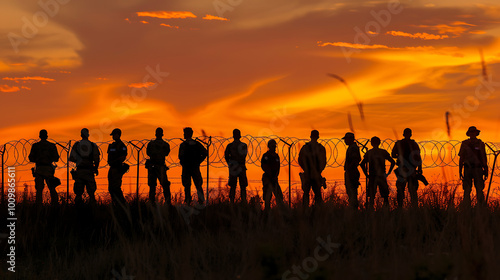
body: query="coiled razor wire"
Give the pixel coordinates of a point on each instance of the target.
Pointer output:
(434, 153)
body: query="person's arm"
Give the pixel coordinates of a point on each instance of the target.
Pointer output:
(73, 155)
(418, 159)
(461, 162)
(395, 150)
(96, 158)
(148, 149)
(123, 153)
(363, 165)
(33, 153)
(392, 161)
(484, 160)
(55, 154)
(227, 154)
(322, 158)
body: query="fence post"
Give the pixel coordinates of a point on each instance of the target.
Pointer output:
(208, 165)
(138, 165)
(67, 172)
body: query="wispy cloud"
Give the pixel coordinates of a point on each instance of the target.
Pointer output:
(35, 78)
(170, 26)
(142, 85)
(166, 14)
(455, 28)
(210, 17)
(353, 46)
(424, 36)
(6, 88)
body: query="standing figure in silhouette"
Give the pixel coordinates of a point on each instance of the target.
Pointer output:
(86, 155)
(235, 155)
(117, 154)
(312, 159)
(44, 154)
(474, 164)
(375, 172)
(351, 171)
(191, 154)
(270, 163)
(409, 162)
(157, 150)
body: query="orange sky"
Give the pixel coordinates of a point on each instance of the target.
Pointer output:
(258, 65)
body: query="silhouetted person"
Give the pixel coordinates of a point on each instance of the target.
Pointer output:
(375, 159)
(351, 171)
(44, 154)
(270, 163)
(117, 154)
(191, 154)
(409, 162)
(86, 155)
(312, 159)
(157, 150)
(235, 155)
(474, 164)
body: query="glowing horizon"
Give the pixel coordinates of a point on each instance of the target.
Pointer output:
(261, 68)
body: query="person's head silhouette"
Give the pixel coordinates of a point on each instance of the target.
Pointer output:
(116, 133)
(159, 132)
(407, 133)
(236, 134)
(84, 133)
(188, 133)
(473, 132)
(43, 134)
(272, 145)
(375, 141)
(314, 135)
(348, 138)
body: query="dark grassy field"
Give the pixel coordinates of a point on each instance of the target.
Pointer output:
(438, 240)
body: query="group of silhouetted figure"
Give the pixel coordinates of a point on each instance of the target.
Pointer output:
(473, 168)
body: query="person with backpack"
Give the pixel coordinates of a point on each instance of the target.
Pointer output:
(157, 150)
(191, 154)
(44, 154)
(409, 162)
(86, 155)
(473, 165)
(312, 159)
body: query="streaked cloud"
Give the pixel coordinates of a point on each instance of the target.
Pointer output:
(7, 88)
(210, 17)
(35, 78)
(170, 26)
(424, 36)
(142, 85)
(166, 14)
(455, 28)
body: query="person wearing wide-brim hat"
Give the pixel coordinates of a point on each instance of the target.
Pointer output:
(473, 165)
(351, 171)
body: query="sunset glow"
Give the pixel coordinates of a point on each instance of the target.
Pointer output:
(249, 65)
